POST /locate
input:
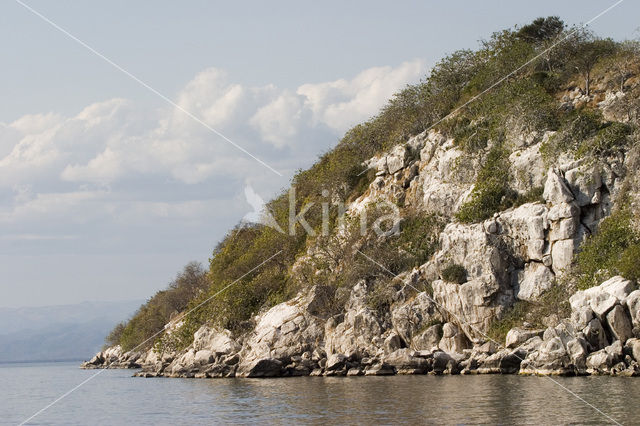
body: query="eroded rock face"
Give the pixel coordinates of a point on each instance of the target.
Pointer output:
(556, 190)
(284, 331)
(514, 255)
(601, 299)
(359, 327)
(487, 293)
(408, 319)
(216, 341)
(592, 341)
(518, 336)
(535, 280)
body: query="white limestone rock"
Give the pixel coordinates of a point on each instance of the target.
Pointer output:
(633, 304)
(535, 280)
(585, 183)
(619, 323)
(556, 190)
(562, 255)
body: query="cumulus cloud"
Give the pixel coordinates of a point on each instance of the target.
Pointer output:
(113, 161)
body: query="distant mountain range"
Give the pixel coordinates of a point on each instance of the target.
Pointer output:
(58, 333)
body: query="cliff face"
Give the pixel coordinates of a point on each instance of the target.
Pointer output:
(431, 322)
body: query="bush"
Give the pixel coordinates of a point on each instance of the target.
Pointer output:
(611, 138)
(534, 195)
(454, 273)
(514, 317)
(577, 127)
(629, 264)
(418, 238)
(584, 134)
(551, 306)
(113, 338)
(153, 315)
(612, 250)
(381, 296)
(491, 192)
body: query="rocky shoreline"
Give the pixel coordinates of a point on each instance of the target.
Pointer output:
(515, 256)
(600, 338)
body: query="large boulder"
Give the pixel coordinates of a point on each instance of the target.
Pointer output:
(266, 367)
(397, 159)
(411, 317)
(562, 255)
(619, 323)
(355, 333)
(506, 361)
(217, 341)
(406, 361)
(601, 299)
(633, 304)
(284, 331)
(618, 287)
(550, 358)
(535, 280)
(556, 190)
(596, 335)
(585, 182)
(453, 339)
(599, 362)
(428, 339)
(632, 348)
(518, 336)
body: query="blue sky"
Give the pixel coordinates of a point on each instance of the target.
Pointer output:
(106, 191)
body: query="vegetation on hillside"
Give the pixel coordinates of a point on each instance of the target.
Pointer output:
(460, 98)
(613, 250)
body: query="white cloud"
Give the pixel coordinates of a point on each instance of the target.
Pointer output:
(114, 163)
(342, 103)
(280, 121)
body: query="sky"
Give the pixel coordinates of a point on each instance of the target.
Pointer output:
(108, 187)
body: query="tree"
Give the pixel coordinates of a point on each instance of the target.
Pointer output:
(544, 34)
(541, 30)
(153, 315)
(622, 63)
(587, 54)
(114, 336)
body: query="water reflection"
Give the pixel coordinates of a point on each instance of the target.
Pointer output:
(116, 398)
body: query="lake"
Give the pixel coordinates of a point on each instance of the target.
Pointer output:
(114, 397)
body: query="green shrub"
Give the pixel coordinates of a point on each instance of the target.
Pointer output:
(611, 138)
(577, 127)
(381, 296)
(583, 134)
(534, 195)
(454, 273)
(114, 337)
(156, 312)
(629, 264)
(551, 305)
(418, 238)
(514, 317)
(612, 250)
(491, 192)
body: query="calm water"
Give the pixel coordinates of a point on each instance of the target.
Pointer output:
(114, 397)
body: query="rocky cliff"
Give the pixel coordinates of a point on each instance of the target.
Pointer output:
(439, 325)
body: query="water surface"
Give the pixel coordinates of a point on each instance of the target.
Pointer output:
(114, 397)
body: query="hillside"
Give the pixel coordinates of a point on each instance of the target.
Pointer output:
(485, 221)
